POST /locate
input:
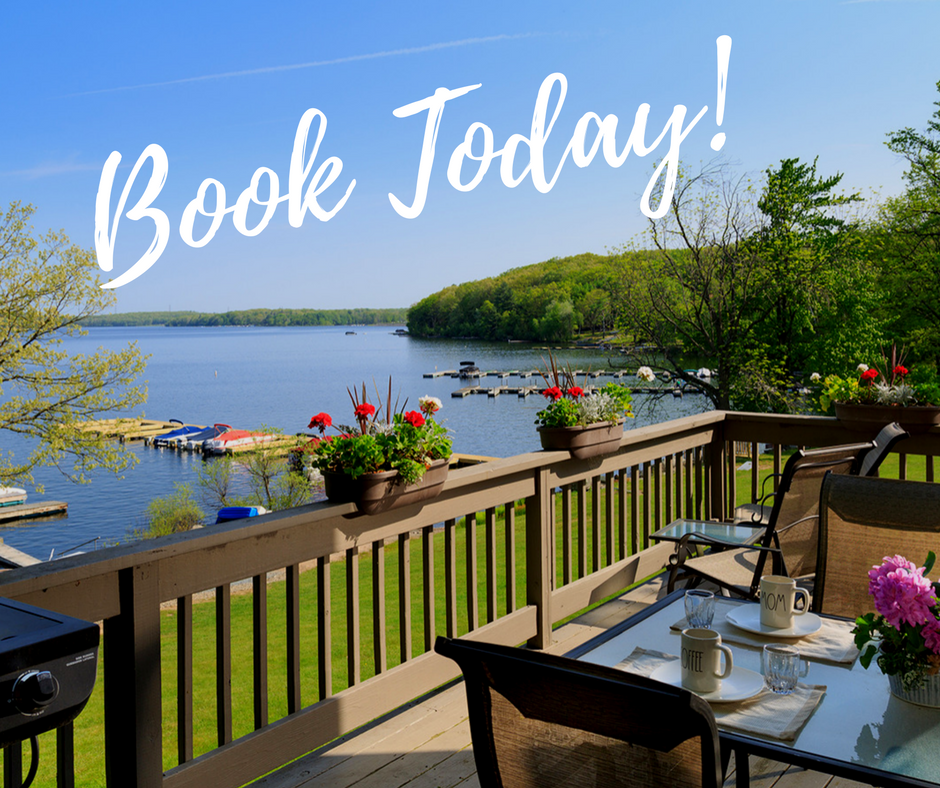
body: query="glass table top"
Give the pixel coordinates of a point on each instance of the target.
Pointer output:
(736, 533)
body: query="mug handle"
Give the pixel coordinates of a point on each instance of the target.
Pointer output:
(805, 609)
(729, 662)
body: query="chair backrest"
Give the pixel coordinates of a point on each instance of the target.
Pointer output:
(793, 521)
(538, 720)
(883, 443)
(861, 521)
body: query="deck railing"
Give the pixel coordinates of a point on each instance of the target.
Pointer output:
(509, 549)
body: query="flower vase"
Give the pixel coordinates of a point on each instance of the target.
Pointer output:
(593, 440)
(379, 492)
(928, 694)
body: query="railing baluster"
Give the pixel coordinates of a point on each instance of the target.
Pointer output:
(404, 596)
(689, 475)
(473, 605)
(582, 528)
(566, 544)
(646, 505)
(379, 645)
(668, 489)
(777, 464)
(698, 482)
(609, 515)
(510, 520)
(622, 512)
(928, 460)
(595, 523)
(450, 576)
(490, 526)
(223, 663)
(324, 630)
(755, 471)
(635, 508)
(427, 560)
(353, 644)
(902, 466)
(259, 602)
(732, 473)
(184, 678)
(292, 611)
(658, 494)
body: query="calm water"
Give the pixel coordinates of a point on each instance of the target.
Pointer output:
(249, 377)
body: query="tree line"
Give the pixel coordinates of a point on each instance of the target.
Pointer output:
(255, 317)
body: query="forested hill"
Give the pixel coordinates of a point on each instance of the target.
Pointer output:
(540, 302)
(255, 317)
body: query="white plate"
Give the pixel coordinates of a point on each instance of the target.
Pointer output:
(747, 617)
(740, 685)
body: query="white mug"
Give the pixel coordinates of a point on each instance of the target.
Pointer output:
(701, 660)
(778, 596)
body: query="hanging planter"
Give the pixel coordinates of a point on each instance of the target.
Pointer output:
(594, 440)
(379, 492)
(870, 417)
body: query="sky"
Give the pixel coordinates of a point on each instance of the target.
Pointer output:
(203, 98)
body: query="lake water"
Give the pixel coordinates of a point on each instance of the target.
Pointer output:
(250, 377)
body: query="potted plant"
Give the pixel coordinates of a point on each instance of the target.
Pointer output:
(382, 464)
(585, 425)
(882, 393)
(904, 632)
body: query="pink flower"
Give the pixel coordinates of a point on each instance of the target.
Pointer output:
(553, 393)
(414, 418)
(901, 592)
(931, 633)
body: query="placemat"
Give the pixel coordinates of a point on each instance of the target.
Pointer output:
(833, 642)
(766, 714)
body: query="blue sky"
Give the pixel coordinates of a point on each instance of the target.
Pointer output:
(222, 87)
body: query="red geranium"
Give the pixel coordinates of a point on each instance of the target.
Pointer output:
(321, 421)
(364, 410)
(870, 375)
(575, 391)
(553, 393)
(899, 370)
(414, 418)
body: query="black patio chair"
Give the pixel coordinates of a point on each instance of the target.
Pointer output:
(541, 721)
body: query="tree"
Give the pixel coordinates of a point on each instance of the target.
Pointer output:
(909, 241)
(747, 281)
(47, 286)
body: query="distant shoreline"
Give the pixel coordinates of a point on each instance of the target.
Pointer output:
(255, 317)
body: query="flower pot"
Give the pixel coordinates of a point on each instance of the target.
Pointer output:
(378, 492)
(928, 694)
(871, 418)
(583, 442)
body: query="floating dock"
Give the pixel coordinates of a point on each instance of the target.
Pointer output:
(132, 429)
(29, 511)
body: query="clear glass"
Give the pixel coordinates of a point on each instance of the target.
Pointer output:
(699, 608)
(781, 667)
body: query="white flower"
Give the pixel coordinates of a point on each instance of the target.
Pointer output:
(862, 368)
(429, 405)
(814, 378)
(645, 373)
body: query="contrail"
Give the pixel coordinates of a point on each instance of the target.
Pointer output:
(314, 64)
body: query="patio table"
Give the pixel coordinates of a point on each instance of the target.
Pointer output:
(858, 731)
(739, 534)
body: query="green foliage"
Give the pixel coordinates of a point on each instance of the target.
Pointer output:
(172, 514)
(47, 287)
(256, 317)
(569, 405)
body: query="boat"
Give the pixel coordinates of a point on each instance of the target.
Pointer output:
(235, 439)
(12, 496)
(179, 434)
(228, 513)
(194, 442)
(469, 370)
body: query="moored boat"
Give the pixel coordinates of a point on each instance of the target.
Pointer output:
(177, 435)
(12, 496)
(194, 442)
(235, 439)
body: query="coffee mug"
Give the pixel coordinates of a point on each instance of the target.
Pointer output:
(701, 660)
(778, 596)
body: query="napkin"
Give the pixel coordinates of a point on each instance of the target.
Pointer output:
(834, 642)
(766, 714)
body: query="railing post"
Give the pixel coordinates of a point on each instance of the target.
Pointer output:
(132, 701)
(538, 558)
(716, 475)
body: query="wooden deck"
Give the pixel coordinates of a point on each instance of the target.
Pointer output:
(426, 744)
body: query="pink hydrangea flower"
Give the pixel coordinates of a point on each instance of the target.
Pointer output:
(901, 592)
(931, 633)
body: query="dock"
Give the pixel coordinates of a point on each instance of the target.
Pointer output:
(11, 558)
(29, 511)
(132, 429)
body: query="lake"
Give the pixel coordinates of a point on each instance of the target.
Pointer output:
(280, 377)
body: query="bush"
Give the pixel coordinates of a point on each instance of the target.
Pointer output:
(172, 514)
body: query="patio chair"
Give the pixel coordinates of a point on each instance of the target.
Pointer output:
(869, 462)
(538, 720)
(862, 520)
(789, 538)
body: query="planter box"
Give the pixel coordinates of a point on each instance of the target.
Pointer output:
(583, 442)
(871, 418)
(378, 492)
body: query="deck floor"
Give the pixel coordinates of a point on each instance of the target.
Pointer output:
(427, 745)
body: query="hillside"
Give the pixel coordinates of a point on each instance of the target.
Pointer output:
(255, 317)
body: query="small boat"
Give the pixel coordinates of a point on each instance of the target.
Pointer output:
(229, 513)
(12, 496)
(179, 434)
(235, 439)
(350, 333)
(194, 442)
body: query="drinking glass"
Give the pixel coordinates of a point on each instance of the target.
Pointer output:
(781, 667)
(699, 608)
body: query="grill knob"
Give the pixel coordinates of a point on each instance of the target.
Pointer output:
(34, 690)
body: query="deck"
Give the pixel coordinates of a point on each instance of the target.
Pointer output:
(426, 744)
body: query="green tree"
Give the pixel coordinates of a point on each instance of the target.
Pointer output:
(172, 514)
(48, 285)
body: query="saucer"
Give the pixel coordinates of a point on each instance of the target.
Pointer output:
(740, 685)
(747, 617)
